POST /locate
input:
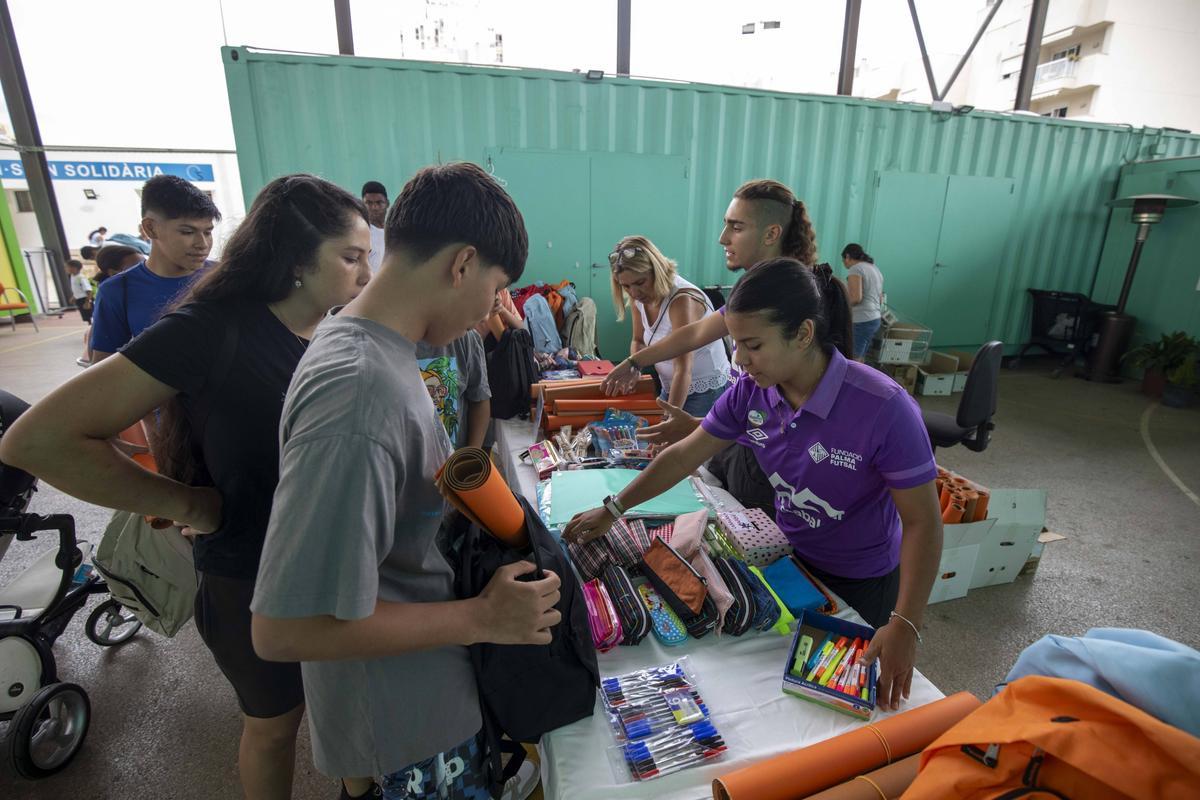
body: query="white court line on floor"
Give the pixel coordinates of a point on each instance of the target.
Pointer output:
(1170, 473)
(42, 341)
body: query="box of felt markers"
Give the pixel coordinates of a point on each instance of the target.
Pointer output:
(824, 664)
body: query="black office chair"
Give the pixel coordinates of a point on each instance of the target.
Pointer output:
(972, 427)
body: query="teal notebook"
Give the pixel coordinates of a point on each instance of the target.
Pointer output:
(584, 489)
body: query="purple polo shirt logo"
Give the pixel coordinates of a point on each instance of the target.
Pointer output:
(803, 503)
(818, 453)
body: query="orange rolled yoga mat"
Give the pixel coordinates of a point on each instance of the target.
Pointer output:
(886, 782)
(981, 508)
(553, 422)
(578, 420)
(800, 773)
(600, 406)
(474, 486)
(944, 497)
(970, 506)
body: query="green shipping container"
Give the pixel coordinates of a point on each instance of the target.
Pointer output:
(962, 213)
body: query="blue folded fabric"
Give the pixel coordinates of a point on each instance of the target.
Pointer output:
(793, 587)
(1151, 672)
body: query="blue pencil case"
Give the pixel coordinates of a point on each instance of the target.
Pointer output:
(794, 588)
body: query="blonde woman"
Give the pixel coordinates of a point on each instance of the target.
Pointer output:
(642, 277)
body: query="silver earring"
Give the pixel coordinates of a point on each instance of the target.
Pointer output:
(298, 283)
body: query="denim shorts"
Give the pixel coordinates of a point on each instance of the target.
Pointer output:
(700, 403)
(863, 333)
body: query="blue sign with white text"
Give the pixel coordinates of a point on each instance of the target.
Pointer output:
(111, 170)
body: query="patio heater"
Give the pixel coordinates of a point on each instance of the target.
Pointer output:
(1116, 327)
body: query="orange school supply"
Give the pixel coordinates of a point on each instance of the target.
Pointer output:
(578, 402)
(470, 482)
(885, 782)
(955, 490)
(800, 773)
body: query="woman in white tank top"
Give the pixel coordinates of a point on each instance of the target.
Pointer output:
(663, 301)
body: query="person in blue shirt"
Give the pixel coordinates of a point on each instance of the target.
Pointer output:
(179, 220)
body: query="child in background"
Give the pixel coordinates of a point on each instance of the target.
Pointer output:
(81, 289)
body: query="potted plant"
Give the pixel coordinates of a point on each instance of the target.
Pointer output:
(1173, 351)
(1180, 391)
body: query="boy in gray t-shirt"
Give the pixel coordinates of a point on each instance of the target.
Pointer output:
(353, 583)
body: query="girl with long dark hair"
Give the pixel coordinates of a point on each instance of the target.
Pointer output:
(217, 367)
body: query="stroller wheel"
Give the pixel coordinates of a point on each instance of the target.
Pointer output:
(49, 730)
(111, 623)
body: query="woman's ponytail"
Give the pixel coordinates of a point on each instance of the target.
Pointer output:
(789, 293)
(839, 328)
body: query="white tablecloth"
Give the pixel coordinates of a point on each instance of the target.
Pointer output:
(740, 679)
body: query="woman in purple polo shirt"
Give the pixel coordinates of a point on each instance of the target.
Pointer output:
(842, 444)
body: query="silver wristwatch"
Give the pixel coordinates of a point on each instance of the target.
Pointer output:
(614, 507)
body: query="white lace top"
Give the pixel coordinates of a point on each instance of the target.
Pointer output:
(710, 365)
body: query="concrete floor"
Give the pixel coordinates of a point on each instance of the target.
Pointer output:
(165, 724)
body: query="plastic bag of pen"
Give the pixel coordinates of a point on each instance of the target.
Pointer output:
(617, 431)
(661, 720)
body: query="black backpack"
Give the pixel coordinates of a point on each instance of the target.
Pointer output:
(526, 690)
(511, 371)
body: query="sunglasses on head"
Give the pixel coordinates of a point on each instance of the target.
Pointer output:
(617, 256)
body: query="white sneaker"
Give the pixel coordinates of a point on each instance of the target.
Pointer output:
(521, 785)
(83, 361)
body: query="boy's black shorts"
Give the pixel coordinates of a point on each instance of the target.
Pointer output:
(264, 688)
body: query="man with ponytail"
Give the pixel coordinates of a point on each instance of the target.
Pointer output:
(764, 221)
(845, 450)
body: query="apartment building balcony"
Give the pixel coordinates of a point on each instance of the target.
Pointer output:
(1068, 76)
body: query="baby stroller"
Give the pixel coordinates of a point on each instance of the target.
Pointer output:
(48, 719)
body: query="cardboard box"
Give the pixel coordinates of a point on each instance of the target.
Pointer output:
(955, 571)
(938, 376)
(965, 360)
(816, 626)
(903, 374)
(1035, 558)
(1018, 517)
(902, 343)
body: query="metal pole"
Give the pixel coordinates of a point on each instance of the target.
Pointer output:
(1143, 233)
(971, 49)
(624, 13)
(849, 46)
(345, 31)
(912, 7)
(33, 162)
(1033, 49)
